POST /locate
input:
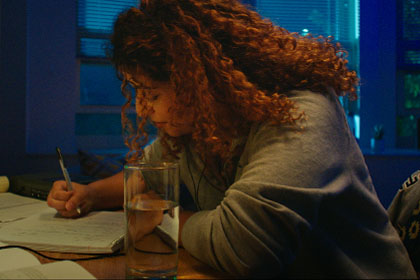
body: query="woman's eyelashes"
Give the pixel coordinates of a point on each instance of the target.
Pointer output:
(146, 94)
(152, 96)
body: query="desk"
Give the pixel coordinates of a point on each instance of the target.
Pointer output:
(113, 267)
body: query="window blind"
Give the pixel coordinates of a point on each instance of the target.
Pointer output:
(410, 28)
(337, 18)
(95, 20)
(411, 20)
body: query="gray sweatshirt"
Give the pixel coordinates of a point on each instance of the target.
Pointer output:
(300, 204)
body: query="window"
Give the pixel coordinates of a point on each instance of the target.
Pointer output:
(337, 18)
(97, 122)
(95, 19)
(408, 74)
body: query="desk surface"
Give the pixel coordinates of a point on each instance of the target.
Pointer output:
(113, 267)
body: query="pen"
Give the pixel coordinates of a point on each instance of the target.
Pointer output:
(65, 173)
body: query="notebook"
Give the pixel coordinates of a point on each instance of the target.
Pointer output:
(45, 230)
(16, 207)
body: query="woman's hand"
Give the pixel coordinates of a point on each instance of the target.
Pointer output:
(66, 202)
(143, 222)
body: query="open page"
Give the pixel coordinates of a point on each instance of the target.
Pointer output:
(98, 232)
(13, 258)
(55, 270)
(17, 263)
(14, 207)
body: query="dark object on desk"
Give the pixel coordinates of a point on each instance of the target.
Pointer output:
(100, 165)
(38, 185)
(92, 167)
(404, 213)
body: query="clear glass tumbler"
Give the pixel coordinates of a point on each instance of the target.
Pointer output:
(151, 206)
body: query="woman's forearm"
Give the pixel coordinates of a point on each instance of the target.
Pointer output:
(108, 192)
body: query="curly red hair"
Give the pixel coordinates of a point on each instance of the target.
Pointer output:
(226, 62)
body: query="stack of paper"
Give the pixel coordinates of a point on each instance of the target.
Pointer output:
(45, 230)
(14, 207)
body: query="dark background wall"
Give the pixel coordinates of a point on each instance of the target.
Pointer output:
(38, 74)
(12, 84)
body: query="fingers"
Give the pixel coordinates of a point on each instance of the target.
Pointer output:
(74, 202)
(58, 195)
(62, 195)
(66, 202)
(69, 214)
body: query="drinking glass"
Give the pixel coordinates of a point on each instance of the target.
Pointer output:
(151, 206)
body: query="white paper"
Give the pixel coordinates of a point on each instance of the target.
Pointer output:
(98, 232)
(15, 207)
(13, 258)
(8, 200)
(19, 264)
(55, 270)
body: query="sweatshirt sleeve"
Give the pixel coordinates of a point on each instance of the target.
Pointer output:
(153, 152)
(288, 178)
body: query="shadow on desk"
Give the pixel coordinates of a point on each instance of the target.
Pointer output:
(113, 267)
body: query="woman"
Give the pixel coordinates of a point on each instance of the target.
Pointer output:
(251, 112)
